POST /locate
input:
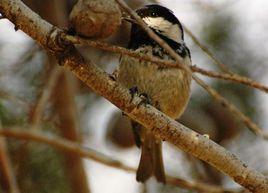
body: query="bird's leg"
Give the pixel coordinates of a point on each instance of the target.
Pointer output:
(133, 90)
(145, 99)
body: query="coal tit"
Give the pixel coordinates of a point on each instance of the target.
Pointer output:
(168, 89)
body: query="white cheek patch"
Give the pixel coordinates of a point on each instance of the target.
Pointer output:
(168, 29)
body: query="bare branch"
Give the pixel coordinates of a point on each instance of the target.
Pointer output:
(232, 77)
(205, 49)
(42, 100)
(77, 149)
(165, 63)
(155, 37)
(100, 82)
(7, 172)
(18, 100)
(249, 123)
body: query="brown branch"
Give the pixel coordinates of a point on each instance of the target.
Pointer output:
(8, 179)
(232, 108)
(78, 150)
(152, 35)
(100, 82)
(26, 57)
(16, 99)
(232, 77)
(68, 126)
(165, 63)
(46, 92)
(120, 50)
(249, 123)
(64, 145)
(61, 93)
(205, 49)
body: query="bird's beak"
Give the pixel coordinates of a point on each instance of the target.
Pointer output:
(129, 19)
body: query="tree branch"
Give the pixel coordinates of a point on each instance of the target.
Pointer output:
(99, 81)
(76, 149)
(232, 108)
(247, 121)
(42, 100)
(8, 177)
(165, 63)
(222, 66)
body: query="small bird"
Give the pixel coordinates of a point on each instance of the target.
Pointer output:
(167, 89)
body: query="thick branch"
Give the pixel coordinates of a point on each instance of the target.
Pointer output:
(160, 124)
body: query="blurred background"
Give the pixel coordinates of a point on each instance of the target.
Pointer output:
(36, 94)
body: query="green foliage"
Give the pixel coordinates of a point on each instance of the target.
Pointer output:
(40, 168)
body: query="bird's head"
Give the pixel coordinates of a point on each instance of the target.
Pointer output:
(162, 20)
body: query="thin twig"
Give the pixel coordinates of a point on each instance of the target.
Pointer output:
(232, 77)
(77, 149)
(229, 74)
(7, 172)
(153, 35)
(99, 81)
(46, 92)
(26, 57)
(205, 49)
(225, 103)
(122, 50)
(165, 63)
(248, 122)
(16, 99)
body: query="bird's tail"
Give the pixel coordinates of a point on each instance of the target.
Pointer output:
(151, 161)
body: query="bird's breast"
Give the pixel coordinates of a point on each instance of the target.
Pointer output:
(168, 88)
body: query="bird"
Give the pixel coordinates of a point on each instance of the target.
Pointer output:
(167, 89)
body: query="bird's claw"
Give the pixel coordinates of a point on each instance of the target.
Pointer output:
(144, 99)
(133, 91)
(144, 96)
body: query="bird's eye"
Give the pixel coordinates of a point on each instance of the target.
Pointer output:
(154, 14)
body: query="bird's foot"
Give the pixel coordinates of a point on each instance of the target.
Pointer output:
(133, 91)
(145, 99)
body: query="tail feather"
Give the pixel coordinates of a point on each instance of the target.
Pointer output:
(145, 169)
(159, 170)
(151, 161)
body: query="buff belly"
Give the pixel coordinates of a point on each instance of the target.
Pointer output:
(167, 88)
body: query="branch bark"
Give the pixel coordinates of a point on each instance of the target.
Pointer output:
(161, 125)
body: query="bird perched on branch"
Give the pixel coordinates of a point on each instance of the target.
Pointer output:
(167, 89)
